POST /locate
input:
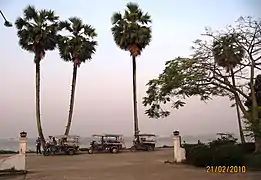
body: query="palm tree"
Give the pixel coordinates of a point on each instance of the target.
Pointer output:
(228, 54)
(37, 34)
(131, 32)
(77, 47)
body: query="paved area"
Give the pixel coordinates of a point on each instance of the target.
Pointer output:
(126, 166)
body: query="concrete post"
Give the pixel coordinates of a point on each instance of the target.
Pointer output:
(179, 153)
(15, 162)
(23, 143)
(176, 146)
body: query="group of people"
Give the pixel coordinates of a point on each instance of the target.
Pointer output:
(52, 141)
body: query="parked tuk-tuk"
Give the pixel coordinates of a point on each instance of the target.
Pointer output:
(68, 144)
(106, 143)
(145, 142)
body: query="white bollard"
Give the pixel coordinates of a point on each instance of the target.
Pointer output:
(16, 162)
(23, 143)
(179, 153)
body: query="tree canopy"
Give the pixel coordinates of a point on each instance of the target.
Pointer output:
(37, 30)
(79, 45)
(201, 75)
(131, 30)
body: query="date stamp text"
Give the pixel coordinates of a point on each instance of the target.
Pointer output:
(226, 169)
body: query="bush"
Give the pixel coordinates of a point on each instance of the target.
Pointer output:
(228, 139)
(199, 155)
(188, 147)
(228, 155)
(247, 148)
(253, 161)
(7, 152)
(223, 155)
(223, 151)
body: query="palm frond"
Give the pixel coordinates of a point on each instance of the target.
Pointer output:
(89, 31)
(116, 17)
(48, 15)
(20, 23)
(76, 24)
(145, 19)
(132, 7)
(65, 25)
(30, 13)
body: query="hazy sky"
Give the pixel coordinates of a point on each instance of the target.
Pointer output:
(104, 86)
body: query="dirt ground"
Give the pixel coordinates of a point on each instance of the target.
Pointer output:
(126, 166)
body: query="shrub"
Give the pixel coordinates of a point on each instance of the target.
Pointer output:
(223, 151)
(228, 139)
(199, 155)
(188, 149)
(247, 148)
(253, 161)
(228, 155)
(7, 152)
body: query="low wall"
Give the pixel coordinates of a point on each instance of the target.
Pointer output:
(14, 163)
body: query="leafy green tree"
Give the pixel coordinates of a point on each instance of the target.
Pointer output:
(131, 32)
(77, 46)
(228, 54)
(37, 31)
(201, 76)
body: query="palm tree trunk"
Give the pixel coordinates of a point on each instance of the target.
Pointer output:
(69, 122)
(135, 112)
(37, 105)
(242, 137)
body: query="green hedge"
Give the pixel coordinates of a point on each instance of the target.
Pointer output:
(253, 161)
(199, 155)
(223, 154)
(228, 155)
(248, 148)
(223, 151)
(8, 152)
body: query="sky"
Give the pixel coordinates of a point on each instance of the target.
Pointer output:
(103, 102)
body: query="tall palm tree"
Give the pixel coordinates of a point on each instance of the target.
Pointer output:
(76, 47)
(228, 54)
(131, 32)
(37, 34)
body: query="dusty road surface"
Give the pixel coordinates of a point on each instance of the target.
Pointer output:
(2, 156)
(123, 166)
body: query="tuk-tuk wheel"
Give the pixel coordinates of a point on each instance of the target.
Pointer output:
(90, 151)
(133, 148)
(114, 150)
(150, 148)
(46, 153)
(71, 152)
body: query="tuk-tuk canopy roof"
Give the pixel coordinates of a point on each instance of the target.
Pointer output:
(146, 135)
(66, 136)
(108, 135)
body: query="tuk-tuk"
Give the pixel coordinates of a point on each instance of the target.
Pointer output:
(68, 144)
(145, 142)
(112, 143)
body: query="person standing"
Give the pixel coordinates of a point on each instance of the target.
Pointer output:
(38, 146)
